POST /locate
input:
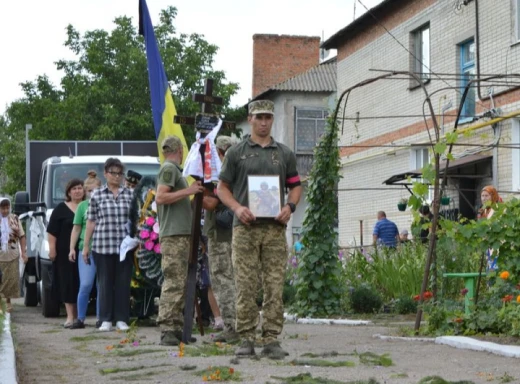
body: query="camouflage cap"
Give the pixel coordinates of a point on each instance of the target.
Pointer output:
(171, 144)
(224, 142)
(261, 106)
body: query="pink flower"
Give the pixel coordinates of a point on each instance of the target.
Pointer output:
(135, 343)
(156, 227)
(150, 221)
(157, 248)
(153, 236)
(144, 234)
(149, 245)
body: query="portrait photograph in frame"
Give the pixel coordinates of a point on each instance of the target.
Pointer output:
(263, 192)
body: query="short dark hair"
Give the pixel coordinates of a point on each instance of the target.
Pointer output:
(424, 210)
(71, 184)
(5, 203)
(113, 162)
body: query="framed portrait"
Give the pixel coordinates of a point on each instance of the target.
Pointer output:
(263, 192)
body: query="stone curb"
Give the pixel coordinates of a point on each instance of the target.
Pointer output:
(7, 355)
(477, 345)
(295, 319)
(462, 342)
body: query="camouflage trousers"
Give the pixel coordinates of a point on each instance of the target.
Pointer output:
(175, 255)
(222, 278)
(259, 249)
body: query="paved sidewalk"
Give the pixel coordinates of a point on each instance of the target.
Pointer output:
(47, 353)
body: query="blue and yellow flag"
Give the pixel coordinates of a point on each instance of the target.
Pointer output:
(163, 108)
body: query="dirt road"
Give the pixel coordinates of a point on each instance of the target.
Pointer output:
(47, 353)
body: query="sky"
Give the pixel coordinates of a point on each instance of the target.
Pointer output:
(33, 31)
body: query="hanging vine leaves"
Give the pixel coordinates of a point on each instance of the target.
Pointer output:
(318, 291)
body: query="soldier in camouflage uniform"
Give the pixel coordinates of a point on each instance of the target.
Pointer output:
(175, 215)
(221, 267)
(259, 244)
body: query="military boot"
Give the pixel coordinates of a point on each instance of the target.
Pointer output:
(178, 334)
(273, 350)
(246, 349)
(169, 338)
(228, 336)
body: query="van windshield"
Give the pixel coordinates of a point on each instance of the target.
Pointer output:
(61, 174)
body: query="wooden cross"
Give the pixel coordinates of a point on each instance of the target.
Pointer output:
(204, 122)
(206, 119)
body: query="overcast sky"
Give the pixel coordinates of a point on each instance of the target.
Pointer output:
(33, 31)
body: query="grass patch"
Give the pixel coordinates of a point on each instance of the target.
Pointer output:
(108, 371)
(326, 354)
(187, 367)
(85, 339)
(398, 376)
(219, 373)
(134, 352)
(323, 363)
(214, 349)
(370, 358)
(139, 376)
(52, 331)
(440, 380)
(306, 378)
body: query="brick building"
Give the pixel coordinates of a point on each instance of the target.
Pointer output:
(447, 42)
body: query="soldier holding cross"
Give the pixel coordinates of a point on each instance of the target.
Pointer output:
(175, 216)
(259, 244)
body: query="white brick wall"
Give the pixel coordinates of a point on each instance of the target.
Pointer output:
(369, 168)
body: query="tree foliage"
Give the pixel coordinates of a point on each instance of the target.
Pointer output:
(318, 289)
(104, 92)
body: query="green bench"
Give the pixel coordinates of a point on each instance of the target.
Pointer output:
(469, 283)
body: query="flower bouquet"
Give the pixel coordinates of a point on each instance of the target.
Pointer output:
(149, 252)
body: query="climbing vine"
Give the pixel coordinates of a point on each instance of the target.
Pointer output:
(318, 290)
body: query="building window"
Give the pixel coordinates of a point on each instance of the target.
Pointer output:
(419, 158)
(421, 52)
(310, 125)
(467, 70)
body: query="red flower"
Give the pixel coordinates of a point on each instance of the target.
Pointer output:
(463, 291)
(507, 298)
(417, 298)
(428, 295)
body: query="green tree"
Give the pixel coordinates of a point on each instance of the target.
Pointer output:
(104, 92)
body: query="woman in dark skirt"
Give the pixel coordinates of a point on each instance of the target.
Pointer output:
(66, 274)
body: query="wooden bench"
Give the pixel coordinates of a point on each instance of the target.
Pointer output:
(469, 283)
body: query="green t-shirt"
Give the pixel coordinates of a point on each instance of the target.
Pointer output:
(174, 219)
(80, 218)
(248, 158)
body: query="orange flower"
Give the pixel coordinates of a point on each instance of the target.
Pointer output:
(204, 378)
(109, 347)
(231, 370)
(518, 299)
(458, 320)
(504, 275)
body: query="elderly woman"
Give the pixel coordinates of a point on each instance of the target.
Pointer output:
(66, 274)
(12, 240)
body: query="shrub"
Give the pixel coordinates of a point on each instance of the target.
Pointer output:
(364, 299)
(405, 305)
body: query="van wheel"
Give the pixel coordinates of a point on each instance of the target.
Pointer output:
(50, 306)
(30, 296)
